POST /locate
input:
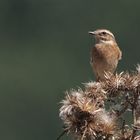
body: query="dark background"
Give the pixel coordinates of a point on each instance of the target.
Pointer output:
(44, 51)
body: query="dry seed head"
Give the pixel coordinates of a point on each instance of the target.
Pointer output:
(83, 111)
(106, 122)
(113, 83)
(95, 90)
(80, 113)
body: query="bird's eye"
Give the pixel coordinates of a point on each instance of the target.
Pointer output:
(104, 33)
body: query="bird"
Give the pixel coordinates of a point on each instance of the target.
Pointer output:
(105, 53)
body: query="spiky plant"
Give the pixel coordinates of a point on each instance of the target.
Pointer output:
(99, 111)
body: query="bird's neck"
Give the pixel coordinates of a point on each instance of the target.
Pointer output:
(107, 42)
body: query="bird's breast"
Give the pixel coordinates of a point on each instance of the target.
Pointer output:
(105, 53)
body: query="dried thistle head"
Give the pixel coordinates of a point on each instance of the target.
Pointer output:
(113, 83)
(95, 90)
(123, 82)
(84, 116)
(132, 83)
(106, 122)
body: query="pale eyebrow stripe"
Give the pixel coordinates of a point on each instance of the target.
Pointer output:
(108, 32)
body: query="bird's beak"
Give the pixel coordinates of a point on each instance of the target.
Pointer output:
(91, 33)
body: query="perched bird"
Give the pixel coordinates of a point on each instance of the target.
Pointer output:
(105, 54)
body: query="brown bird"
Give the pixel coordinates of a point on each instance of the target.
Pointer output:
(105, 54)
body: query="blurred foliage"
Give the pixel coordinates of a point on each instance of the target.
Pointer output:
(44, 50)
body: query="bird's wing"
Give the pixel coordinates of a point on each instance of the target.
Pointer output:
(119, 54)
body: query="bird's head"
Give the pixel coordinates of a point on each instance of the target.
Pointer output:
(103, 35)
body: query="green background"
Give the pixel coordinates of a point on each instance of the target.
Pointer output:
(44, 51)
